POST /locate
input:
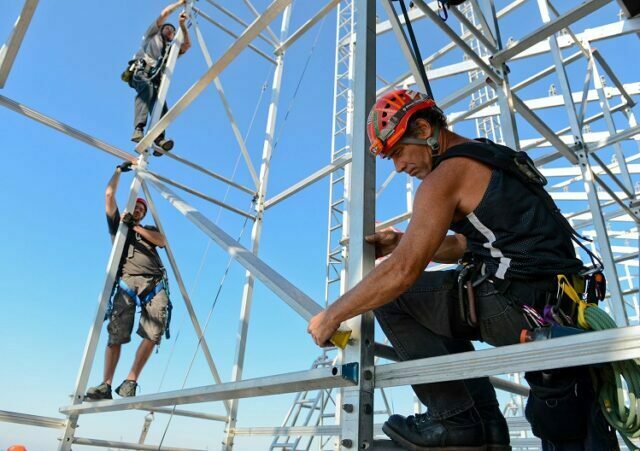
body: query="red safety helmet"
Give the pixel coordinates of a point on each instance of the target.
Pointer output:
(389, 116)
(143, 202)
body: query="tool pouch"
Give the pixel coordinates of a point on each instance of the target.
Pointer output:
(557, 407)
(127, 74)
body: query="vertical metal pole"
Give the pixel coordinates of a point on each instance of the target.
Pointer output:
(148, 418)
(114, 259)
(508, 125)
(616, 300)
(357, 421)
(185, 295)
(247, 294)
(608, 119)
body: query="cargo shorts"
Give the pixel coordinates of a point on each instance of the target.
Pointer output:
(153, 315)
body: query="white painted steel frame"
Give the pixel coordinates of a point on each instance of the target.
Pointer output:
(9, 51)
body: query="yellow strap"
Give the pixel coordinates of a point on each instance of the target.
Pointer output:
(566, 288)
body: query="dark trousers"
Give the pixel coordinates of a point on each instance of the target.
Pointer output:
(146, 96)
(425, 322)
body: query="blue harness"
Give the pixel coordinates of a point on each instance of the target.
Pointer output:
(162, 285)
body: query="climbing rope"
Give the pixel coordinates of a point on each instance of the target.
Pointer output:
(617, 382)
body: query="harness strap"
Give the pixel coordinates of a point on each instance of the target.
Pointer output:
(133, 295)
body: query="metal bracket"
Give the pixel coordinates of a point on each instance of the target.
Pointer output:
(349, 371)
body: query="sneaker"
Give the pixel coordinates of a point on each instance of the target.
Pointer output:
(137, 135)
(421, 432)
(102, 391)
(127, 388)
(164, 143)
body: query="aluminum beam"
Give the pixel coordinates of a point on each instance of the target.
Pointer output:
(240, 21)
(188, 413)
(548, 29)
(306, 26)
(202, 342)
(315, 379)
(229, 55)
(31, 420)
(357, 423)
(217, 24)
(9, 51)
(318, 175)
(227, 108)
(582, 349)
(66, 129)
(200, 195)
(294, 297)
(123, 445)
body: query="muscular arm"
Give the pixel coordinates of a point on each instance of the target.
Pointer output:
(164, 15)
(110, 193)
(153, 236)
(418, 246)
(186, 43)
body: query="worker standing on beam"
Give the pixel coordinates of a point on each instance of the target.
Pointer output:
(145, 70)
(512, 244)
(141, 281)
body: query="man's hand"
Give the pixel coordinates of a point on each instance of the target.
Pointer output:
(321, 328)
(385, 241)
(182, 19)
(128, 220)
(125, 167)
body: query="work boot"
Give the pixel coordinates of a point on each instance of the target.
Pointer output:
(164, 143)
(127, 388)
(102, 391)
(137, 135)
(421, 432)
(496, 434)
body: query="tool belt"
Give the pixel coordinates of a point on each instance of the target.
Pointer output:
(546, 300)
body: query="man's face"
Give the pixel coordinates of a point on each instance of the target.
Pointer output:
(412, 159)
(139, 211)
(168, 32)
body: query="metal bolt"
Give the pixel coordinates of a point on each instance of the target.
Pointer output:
(346, 443)
(364, 445)
(368, 410)
(347, 408)
(368, 375)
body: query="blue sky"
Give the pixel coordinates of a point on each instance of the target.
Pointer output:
(55, 244)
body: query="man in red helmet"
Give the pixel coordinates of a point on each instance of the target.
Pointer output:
(141, 281)
(513, 246)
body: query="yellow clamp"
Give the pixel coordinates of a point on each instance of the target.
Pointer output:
(567, 288)
(340, 338)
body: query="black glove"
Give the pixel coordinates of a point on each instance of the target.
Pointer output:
(128, 220)
(125, 167)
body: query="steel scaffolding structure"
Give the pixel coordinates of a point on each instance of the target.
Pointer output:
(575, 136)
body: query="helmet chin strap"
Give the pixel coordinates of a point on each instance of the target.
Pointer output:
(431, 141)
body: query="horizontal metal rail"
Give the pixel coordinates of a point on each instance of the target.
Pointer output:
(124, 445)
(315, 379)
(582, 349)
(188, 413)
(31, 420)
(318, 175)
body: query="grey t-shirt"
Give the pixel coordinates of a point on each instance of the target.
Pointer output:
(152, 47)
(140, 256)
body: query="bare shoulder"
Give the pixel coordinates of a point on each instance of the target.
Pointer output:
(466, 179)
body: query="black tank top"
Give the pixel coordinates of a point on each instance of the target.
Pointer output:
(514, 234)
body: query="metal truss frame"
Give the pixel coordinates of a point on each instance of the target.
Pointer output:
(609, 193)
